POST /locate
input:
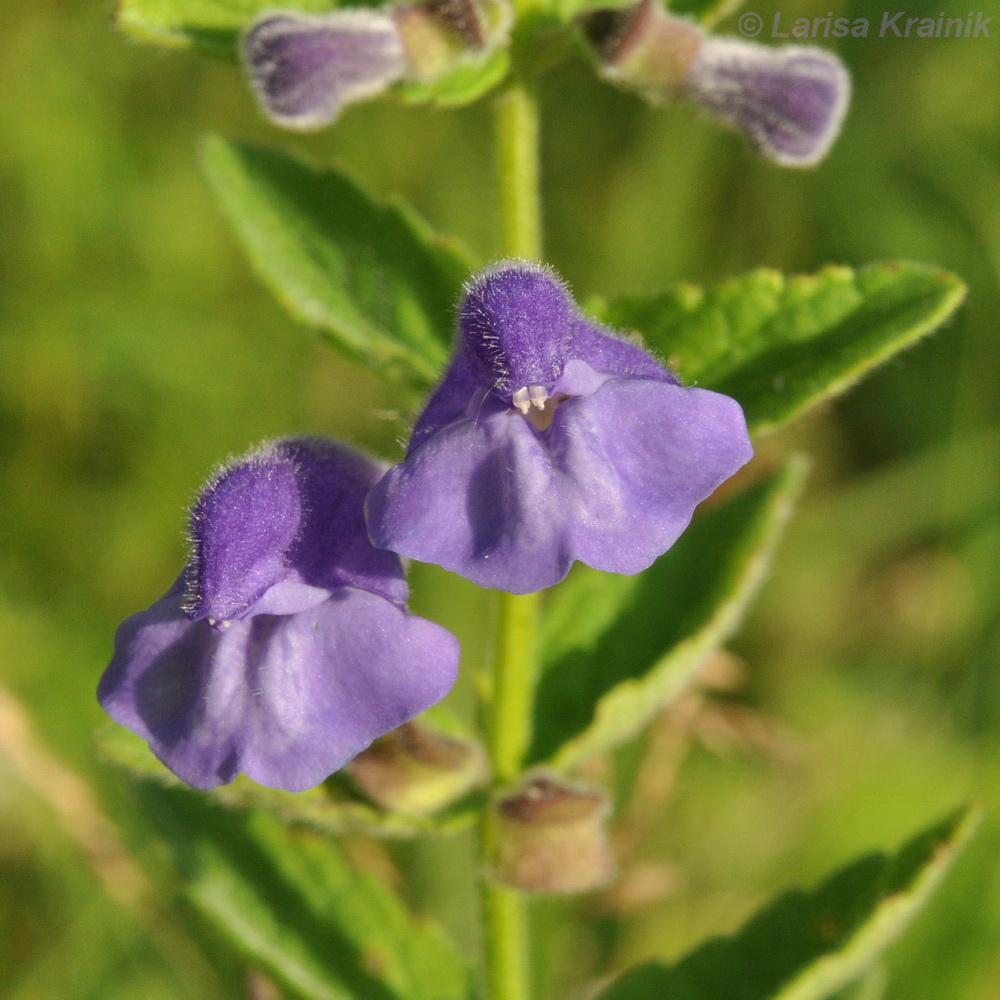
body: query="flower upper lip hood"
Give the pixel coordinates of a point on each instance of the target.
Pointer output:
(284, 648)
(551, 439)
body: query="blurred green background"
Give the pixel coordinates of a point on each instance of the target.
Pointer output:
(137, 350)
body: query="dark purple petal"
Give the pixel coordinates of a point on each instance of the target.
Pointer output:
(635, 458)
(304, 68)
(516, 322)
(790, 102)
(286, 700)
(291, 511)
(609, 353)
(478, 498)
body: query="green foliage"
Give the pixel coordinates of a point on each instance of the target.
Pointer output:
(464, 84)
(707, 12)
(211, 24)
(373, 277)
(330, 808)
(294, 906)
(809, 945)
(782, 345)
(619, 648)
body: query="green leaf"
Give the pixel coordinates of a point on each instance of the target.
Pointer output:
(707, 12)
(292, 904)
(214, 26)
(781, 345)
(211, 24)
(619, 648)
(809, 945)
(372, 276)
(330, 808)
(462, 85)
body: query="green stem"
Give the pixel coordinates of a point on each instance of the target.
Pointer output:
(517, 160)
(506, 915)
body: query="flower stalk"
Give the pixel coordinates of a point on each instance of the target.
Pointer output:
(505, 910)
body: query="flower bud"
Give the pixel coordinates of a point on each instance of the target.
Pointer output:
(439, 35)
(305, 68)
(551, 837)
(789, 102)
(417, 771)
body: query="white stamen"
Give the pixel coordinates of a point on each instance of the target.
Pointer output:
(522, 400)
(538, 395)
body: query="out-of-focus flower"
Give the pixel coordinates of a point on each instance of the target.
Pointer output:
(551, 439)
(305, 68)
(552, 837)
(284, 648)
(789, 102)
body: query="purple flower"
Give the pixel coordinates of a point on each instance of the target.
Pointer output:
(306, 68)
(551, 439)
(285, 647)
(789, 102)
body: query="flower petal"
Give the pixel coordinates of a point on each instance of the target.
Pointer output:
(304, 68)
(477, 498)
(287, 700)
(291, 511)
(790, 102)
(635, 458)
(611, 354)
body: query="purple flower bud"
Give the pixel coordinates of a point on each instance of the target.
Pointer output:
(551, 439)
(305, 68)
(285, 648)
(789, 102)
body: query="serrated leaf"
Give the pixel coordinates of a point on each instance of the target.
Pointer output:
(781, 345)
(330, 808)
(619, 648)
(372, 276)
(292, 904)
(809, 945)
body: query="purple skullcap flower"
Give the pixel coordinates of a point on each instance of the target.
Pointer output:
(285, 647)
(550, 439)
(789, 102)
(304, 68)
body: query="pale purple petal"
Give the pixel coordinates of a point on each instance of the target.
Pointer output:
(305, 68)
(477, 498)
(286, 700)
(635, 458)
(790, 102)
